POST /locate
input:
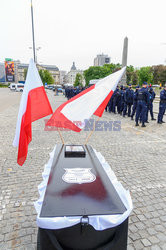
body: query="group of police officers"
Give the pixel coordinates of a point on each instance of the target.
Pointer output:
(138, 103)
(71, 91)
(128, 102)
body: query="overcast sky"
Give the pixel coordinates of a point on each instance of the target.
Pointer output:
(78, 30)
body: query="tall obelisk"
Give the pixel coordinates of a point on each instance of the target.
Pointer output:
(124, 59)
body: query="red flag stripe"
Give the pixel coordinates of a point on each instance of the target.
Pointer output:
(101, 108)
(60, 121)
(38, 106)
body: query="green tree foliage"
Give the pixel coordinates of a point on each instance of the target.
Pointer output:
(78, 80)
(145, 74)
(159, 74)
(46, 76)
(25, 73)
(134, 78)
(98, 72)
(129, 74)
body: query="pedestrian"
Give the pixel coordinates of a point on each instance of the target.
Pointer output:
(162, 105)
(143, 101)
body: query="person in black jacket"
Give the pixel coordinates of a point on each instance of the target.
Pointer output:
(142, 104)
(128, 97)
(135, 98)
(162, 106)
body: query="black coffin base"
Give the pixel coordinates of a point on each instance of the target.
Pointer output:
(83, 237)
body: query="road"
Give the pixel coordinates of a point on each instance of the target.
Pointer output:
(136, 155)
(8, 98)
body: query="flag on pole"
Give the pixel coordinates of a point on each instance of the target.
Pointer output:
(33, 106)
(73, 113)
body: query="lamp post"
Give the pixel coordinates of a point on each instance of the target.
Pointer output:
(36, 49)
(33, 33)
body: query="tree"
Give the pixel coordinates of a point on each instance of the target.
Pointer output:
(98, 72)
(25, 73)
(46, 76)
(78, 80)
(145, 75)
(129, 74)
(134, 77)
(159, 74)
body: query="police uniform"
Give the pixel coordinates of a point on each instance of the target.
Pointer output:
(122, 100)
(110, 104)
(150, 106)
(135, 98)
(128, 97)
(116, 100)
(142, 103)
(162, 106)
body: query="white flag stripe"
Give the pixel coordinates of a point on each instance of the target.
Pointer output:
(84, 107)
(32, 81)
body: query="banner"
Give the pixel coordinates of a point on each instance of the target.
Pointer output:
(9, 69)
(2, 72)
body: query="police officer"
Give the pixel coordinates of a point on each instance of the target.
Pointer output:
(135, 97)
(110, 104)
(150, 107)
(116, 100)
(162, 105)
(123, 89)
(142, 103)
(128, 100)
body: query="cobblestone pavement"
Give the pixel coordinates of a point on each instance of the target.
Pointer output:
(137, 156)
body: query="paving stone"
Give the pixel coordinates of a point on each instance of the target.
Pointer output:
(138, 245)
(163, 246)
(155, 247)
(151, 231)
(163, 218)
(159, 228)
(146, 242)
(130, 247)
(161, 237)
(153, 239)
(134, 154)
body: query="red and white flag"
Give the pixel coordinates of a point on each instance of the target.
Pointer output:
(33, 106)
(73, 113)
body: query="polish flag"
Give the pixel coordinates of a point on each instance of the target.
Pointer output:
(33, 106)
(92, 101)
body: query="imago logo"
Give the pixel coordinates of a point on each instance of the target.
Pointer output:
(78, 175)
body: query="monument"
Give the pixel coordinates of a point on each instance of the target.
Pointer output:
(124, 59)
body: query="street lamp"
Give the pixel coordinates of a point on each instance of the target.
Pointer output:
(36, 49)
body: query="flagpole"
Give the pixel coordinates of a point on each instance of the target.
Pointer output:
(94, 126)
(63, 142)
(33, 33)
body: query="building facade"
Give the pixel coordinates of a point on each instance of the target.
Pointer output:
(63, 75)
(2, 72)
(20, 69)
(71, 76)
(102, 59)
(54, 71)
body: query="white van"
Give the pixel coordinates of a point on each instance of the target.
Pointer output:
(19, 87)
(12, 86)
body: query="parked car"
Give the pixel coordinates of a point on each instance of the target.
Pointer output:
(50, 87)
(12, 86)
(155, 85)
(19, 87)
